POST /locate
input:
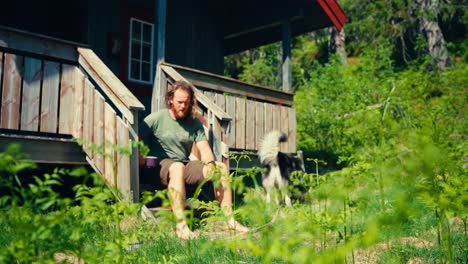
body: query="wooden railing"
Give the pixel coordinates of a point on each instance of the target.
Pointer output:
(51, 87)
(255, 110)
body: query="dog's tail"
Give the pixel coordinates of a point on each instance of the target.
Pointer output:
(270, 147)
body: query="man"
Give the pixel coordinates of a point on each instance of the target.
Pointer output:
(170, 135)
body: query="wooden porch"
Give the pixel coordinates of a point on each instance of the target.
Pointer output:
(55, 93)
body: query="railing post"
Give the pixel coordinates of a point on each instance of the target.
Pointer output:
(134, 167)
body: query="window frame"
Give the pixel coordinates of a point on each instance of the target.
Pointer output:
(140, 60)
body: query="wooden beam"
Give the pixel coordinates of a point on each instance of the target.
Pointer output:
(46, 149)
(159, 56)
(334, 12)
(38, 44)
(286, 63)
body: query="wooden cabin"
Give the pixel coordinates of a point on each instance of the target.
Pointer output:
(91, 70)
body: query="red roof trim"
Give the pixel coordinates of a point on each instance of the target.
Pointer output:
(334, 12)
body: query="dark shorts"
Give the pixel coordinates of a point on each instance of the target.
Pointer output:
(193, 171)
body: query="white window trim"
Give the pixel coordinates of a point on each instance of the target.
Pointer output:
(141, 51)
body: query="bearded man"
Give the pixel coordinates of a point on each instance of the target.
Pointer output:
(170, 134)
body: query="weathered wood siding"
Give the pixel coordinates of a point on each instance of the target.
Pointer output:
(193, 39)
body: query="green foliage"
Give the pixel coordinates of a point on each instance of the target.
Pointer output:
(39, 225)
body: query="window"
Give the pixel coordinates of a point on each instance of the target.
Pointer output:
(140, 63)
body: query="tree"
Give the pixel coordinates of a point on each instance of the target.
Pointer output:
(337, 44)
(431, 29)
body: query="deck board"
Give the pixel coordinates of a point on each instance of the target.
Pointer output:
(250, 125)
(98, 136)
(259, 123)
(78, 101)
(30, 100)
(123, 159)
(240, 123)
(110, 141)
(231, 110)
(11, 91)
(284, 126)
(292, 130)
(88, 116)
(66, 100)
(50, 94)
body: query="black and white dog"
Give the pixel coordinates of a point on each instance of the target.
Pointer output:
(279, 165)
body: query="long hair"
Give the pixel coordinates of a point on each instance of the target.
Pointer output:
(184, 86)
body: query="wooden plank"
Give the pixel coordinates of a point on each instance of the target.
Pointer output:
(221, 101)
(98, 136)
(292, 130)
(66, 99)
(134, 159)
(225, 84)
(231, 110)
(217, 140)
(113, 87)
(123, 160)
(78, 101)
(268, 117)
(50, 97)
(88, 116)
(11, 90)
(276, 117)
(259, 123)
(284, 126)
(240, 123)
(250, 143)
(31, 94)
(1, 68)
(110, 162)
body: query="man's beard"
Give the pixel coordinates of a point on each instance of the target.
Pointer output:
(181, 114)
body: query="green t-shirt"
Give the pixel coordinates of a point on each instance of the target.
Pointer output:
(169, 138)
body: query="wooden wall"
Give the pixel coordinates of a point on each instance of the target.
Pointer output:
(192, 37)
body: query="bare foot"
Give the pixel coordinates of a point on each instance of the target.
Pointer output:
(183, 232)
(232, 224)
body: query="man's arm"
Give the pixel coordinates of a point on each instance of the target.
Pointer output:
(205, 151)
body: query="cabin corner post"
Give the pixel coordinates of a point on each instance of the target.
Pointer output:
(134, 166)
(159, 55)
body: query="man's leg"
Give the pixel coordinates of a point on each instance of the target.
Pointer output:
(176, 187)
(224, 192)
